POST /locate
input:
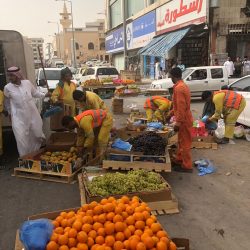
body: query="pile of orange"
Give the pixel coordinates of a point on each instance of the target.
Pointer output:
(111, 224)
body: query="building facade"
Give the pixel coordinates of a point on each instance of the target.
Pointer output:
(190, 32)
(89, 41)
(35, 43)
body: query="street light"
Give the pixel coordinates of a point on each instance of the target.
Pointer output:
(58, 33)
(73, 33)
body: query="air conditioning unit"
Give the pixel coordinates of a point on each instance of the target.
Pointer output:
(214, 3)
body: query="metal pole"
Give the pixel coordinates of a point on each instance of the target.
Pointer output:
(124, 33)
(59, 42)
(73, 36)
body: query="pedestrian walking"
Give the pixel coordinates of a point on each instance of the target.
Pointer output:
(25, 118)
(238, 67)
(184, 122)
(246, 66)
(229, 66)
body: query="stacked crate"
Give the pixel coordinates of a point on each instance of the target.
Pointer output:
(117, 105)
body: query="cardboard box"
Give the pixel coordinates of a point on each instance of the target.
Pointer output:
(146, 196)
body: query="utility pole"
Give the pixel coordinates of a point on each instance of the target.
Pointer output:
(124, 8)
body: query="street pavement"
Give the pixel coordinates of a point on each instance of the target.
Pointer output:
(214, 209)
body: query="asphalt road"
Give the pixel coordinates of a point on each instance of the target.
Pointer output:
(214, 209)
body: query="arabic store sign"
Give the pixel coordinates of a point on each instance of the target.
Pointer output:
(180, 13)
(114, 41)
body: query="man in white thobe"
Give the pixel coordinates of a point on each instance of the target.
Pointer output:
(229, 66)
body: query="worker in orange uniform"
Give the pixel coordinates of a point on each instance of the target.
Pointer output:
(63, 93)
(184, 122)
(87, 123)
(157, 107)
(229, 104)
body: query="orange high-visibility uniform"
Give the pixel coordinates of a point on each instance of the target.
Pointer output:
(88, 121)
(156, 106)
(183, 115)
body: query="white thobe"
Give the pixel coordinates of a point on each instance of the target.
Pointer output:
(25, 118)
(230, 67)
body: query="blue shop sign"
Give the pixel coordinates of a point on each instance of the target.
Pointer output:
(114, 41)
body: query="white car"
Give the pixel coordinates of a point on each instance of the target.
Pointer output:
(79, 74)
(242, 86)
(198, 80)
(99, 73)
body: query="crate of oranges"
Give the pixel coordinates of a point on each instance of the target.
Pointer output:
(118, 224)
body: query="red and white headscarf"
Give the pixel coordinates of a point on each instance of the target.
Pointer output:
(16, 72)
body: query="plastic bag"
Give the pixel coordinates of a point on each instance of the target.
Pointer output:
(205, 167)
(220, 131)
(35, 234)
(122, 145)
(155, 125)
(239, 131)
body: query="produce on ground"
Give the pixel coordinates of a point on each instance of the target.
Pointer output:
(60, 157)
(111, 224)
(149, 143)
(119, 183)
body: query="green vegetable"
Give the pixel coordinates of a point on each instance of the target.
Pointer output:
(119, 183)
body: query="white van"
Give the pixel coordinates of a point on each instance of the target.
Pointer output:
(198, 80)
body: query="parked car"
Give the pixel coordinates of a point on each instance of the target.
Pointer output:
(242, 86)
(198, 79)
(99, 73)
(79, 74)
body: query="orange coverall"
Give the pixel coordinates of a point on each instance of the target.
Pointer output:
(183, 116)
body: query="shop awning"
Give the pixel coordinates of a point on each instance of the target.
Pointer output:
(160, 46)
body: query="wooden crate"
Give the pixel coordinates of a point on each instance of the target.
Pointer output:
(161, 202)
(61, 141)
(201, 142)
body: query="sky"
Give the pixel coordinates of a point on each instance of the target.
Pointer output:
(30, 17)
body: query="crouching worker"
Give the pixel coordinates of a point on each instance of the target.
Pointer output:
(92, 125)
(229, 104)
(157, 107)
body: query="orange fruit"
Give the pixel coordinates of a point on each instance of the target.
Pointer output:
(126, 244)
(138, 216)
(109, 228)
(110, 216)
(107, 248)
(59, 230)
(122, 207)
(72, 242)
(149, 242)
(101, 231)
(92, 234)
(110, 240)
(90, 242)
(90, 213)
(85, 207)
(125, 199)
(87, 220)
(97, 225)
(66, 229)
(140, 246)
(172, 246)
(100, 247)
(70, 214)
(71, 221)
(155, 227)
(109, 207)
(99, 240)
(93, 204)
(130, 220)
(161, 234)
(118, 210)
(63, 214)
(124, 215)
(153, 218)
(120, 236)
(72, 233)
(55, 223)
(165, 239)
(64, 247)
(149, 232)
(82, 237)
(52, 245)
(63, 240)
(133, 243)
(77, 225)
(54, 237)
(139, 209)
(118, 245)
(117, 218)
(96, 218)
(146, 215)
(111, 199)
(140, 225)
(155, 239)
(130, 210)
(127, 233)
(149, 222)
(102, 218)
(98, 210)
(86, 228)
(131, 229)
(161, 245)
(59, 219)
(82, 246)
(104, 201)
(119, 226)
(138, 232)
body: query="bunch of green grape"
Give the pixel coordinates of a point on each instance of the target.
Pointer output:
(119, 183)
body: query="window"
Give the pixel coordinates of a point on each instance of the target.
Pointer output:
(217, 73)
(241, 85)
(135, 6)
(90, 72)
(107, 71)
(91, 46)
(77, 46)
(115, 13)
(51, 75)
(102, 46)
(199, 74)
